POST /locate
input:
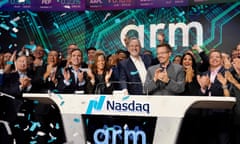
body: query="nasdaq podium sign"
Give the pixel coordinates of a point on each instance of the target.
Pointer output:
(114, 119)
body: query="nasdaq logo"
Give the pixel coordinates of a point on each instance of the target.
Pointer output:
(113, 105)
(128, 106)
(94, 104)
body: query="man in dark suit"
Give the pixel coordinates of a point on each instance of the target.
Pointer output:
(15, 84)
(18, 82)
(133, 70)
(215, 124)
(73, 78)
(211, 81)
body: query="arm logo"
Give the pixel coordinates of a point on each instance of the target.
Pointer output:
(94, 104)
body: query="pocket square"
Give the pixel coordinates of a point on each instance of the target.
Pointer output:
(134, 72)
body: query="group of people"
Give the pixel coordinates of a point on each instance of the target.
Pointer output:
(131, 72)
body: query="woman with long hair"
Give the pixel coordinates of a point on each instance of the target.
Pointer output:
(99, 76)
(190, 67)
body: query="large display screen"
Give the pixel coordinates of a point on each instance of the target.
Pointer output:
(105, 129)
(210, 25)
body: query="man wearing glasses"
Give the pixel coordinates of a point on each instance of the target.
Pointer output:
(165, 78)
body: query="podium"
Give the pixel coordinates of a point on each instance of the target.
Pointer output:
(169, 111)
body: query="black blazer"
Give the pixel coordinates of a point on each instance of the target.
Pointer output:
(129, 76)
(74, 86)
(44, 85)
(11, 84)
(216, 87)
(99, 87)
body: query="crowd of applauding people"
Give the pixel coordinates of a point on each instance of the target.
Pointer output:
(131, 72)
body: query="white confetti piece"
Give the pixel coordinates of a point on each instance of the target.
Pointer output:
(40, 133)
(51, 125)
(75, 134)
(26, 128)
(20, 114)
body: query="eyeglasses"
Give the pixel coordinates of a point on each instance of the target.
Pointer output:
(162, 53)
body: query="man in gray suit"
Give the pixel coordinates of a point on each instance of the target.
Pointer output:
(165, 78)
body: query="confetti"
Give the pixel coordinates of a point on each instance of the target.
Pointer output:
(29, 116)
(20, 114)
(77, 120)
(51, 125)
(67, 6)
(17, 126)
(4, 26)
(26, 128)
(33, 142)
(13, 35)
(34, 126)
(40, 133)
(13, 23)
(62, 103)
(52, 138)
(57, 126)
(36, 102)
(75, 134)
(56, 25)
(125, 98)
(117, 20)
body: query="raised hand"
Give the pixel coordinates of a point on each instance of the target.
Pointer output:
(91, 76)
(66, 75)
(222, 79)
(108, 76)
(204, 81)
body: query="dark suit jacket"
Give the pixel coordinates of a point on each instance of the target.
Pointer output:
(11, 84)
(41, 85)
(235, 92)
(74, 86)
(129, 76)
(203, 65)
(216, 87)
(99, 86)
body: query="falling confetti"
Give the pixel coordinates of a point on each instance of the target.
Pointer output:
(34, 126)
(77, 120)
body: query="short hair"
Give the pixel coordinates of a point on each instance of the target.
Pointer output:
(215, 50)
(165, 45)
(134, 38)
(123, 51)
(161, 33)
(91, 48)
(76, 49)
(73, 44)
(21, 55)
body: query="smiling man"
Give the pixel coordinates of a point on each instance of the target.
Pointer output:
(133, 70)
(165, 78)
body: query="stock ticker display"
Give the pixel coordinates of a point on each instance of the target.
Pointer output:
(205, 24)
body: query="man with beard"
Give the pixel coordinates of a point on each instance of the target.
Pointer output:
(165, 78)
